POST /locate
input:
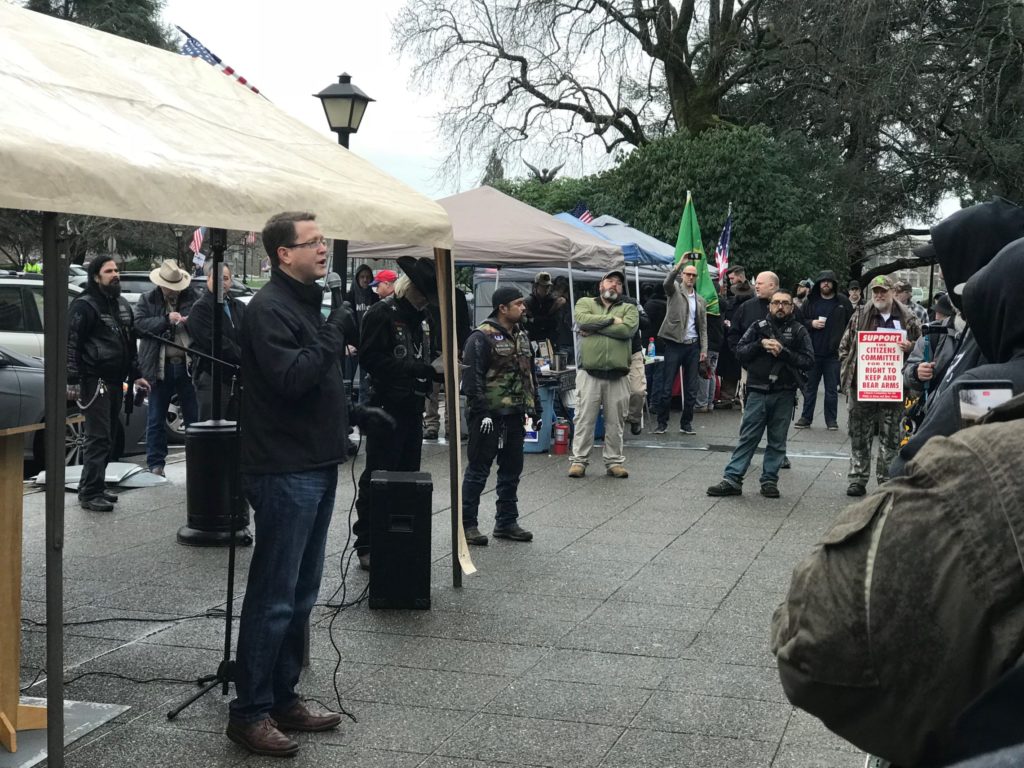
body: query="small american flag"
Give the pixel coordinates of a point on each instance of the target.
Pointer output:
(582, 213)
(192, 47)
(197, 239)
(722, 249)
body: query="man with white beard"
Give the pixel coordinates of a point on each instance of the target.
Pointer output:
(867, 419)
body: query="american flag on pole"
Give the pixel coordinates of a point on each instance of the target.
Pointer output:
(192, 47)
(582, 213)
(722, 249)
(197, 239)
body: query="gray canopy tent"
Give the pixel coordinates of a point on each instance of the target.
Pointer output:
(494, 229)
(94, 124)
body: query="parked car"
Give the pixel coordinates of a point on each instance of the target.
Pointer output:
(22, 402)
(134, 284)
(21, 312)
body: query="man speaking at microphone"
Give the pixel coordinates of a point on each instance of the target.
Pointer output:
(294, 436)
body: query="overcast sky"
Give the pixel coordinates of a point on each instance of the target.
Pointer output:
(291, 50)
(295, 48)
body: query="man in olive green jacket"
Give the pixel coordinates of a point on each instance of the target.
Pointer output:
(606, 325)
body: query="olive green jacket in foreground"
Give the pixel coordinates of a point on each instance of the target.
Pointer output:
(912, 605)
(607, 349)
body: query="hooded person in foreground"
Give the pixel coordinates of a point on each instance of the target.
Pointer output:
(904, 627)
(991, 304)
(962, 243)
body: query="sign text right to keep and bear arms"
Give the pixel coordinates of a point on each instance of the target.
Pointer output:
(880, 365)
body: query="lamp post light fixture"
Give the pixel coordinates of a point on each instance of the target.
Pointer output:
(344, 106)
(178, 232)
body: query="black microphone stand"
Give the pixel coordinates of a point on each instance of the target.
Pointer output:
(225, 670)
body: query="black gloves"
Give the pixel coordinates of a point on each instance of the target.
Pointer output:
(343, 319)
(375, 422)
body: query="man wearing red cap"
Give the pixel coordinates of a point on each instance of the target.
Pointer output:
(383, 283)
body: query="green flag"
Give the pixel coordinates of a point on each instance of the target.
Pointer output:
(689, 242)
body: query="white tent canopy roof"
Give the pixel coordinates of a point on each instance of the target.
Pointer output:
(96, 124)
(495, 229)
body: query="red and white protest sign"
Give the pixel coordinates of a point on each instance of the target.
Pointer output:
(880, 366)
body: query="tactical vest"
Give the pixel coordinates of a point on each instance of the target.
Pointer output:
(509, 384)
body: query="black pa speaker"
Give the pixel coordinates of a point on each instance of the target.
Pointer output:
(400, 539)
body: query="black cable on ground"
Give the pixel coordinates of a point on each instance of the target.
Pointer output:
(118, 676)
(210, 614)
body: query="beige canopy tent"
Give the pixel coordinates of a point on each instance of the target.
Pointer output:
(495, 229)
(98, 125)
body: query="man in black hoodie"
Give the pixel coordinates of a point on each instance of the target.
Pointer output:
(294, 436)
(101, 350)
(825, 314)
(360, 297)
(962, 243)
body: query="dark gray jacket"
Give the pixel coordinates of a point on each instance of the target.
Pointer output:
(912, 605)
(151, 317)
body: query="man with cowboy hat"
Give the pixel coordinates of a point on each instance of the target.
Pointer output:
(395, 351)
(161, 316)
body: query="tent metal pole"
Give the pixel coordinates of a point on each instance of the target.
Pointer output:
(572, 312)
(636, 274)
(497, 277)
(55, 304)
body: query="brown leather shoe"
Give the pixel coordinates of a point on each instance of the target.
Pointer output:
(299, 717)
(262, 738)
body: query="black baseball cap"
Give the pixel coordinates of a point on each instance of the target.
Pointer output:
(506, 294)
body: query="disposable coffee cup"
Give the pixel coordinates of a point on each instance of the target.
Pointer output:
(821, 318)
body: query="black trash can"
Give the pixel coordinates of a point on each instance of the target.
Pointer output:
(216, 505)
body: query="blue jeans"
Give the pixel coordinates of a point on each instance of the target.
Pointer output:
(483, 449)
(827, 368)
(706, 387)
(292, 513)
(771, 410)
(175, 381)
(687, 357)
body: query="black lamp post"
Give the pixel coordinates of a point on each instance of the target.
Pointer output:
(344, 105)
(178, 232)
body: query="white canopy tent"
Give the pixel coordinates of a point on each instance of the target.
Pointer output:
(95, 124)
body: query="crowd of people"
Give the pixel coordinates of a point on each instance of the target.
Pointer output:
(764, 349)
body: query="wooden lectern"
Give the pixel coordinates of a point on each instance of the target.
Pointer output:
(14, 717)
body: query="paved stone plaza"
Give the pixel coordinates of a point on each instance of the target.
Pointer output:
(633, 631)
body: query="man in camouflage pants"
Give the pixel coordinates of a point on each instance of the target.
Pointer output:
(500, 391)
(867, 419)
